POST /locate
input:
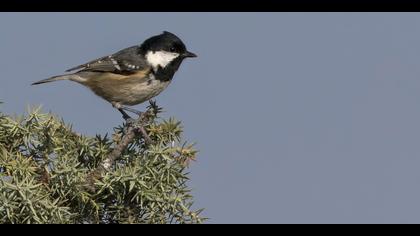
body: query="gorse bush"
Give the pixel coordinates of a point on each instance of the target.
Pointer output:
(49, 173)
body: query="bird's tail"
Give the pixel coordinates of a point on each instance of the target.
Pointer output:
(52, 79)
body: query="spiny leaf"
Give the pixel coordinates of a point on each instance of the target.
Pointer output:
(45, 170)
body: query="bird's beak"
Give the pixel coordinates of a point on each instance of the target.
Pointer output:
(189, 54)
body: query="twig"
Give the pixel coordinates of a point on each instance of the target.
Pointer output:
(119, 149)
(133, 129)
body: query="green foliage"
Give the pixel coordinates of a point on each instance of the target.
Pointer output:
(45, 168)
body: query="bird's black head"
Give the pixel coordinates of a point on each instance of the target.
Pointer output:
(164, 53)
(166, 42)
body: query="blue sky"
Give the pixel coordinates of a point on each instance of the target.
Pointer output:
(299, 117)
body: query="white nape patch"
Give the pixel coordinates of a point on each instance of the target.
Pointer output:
(160, 58)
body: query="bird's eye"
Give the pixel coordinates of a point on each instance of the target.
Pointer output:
(172, 49)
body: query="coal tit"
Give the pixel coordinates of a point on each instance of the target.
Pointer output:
(133, 75)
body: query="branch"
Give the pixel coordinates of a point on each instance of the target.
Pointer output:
(132, 130)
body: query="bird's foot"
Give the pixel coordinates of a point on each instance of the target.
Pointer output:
(139, 113)
(123, 110)
(127, 117)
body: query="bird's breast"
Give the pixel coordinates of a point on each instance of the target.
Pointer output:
(146, 90)
(128, 90)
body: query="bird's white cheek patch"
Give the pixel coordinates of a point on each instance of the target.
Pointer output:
(160, 58)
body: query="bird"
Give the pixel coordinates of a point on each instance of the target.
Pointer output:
(132, 75)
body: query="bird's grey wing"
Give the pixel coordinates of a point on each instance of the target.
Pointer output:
(125, 61)
(103, 63)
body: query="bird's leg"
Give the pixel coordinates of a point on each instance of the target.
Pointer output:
(126, 117)
(131, 110)
(122, 109)
(131, 122)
